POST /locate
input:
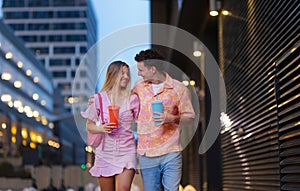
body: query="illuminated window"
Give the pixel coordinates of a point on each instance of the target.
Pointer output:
(28, 72)
(18, 84)
(36, 79)
(35, 96)
(6, 97)
(20, 64)
(8, 55)
(6, 76)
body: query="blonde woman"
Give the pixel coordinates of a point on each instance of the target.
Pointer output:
(115, 157)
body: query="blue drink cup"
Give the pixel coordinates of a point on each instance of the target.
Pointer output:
(157, 106)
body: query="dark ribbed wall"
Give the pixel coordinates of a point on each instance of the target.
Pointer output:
(261, 149)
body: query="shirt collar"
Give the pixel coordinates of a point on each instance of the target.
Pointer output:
(168, 83)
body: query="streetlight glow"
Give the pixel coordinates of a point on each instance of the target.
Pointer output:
(224, 12)
(197, 53)
(214, 13)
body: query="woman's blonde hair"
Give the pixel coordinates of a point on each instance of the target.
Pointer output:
(113, 78)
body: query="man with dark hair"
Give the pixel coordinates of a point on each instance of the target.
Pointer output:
(159, 146)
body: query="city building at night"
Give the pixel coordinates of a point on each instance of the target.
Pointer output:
(59, 33)
(26, 111)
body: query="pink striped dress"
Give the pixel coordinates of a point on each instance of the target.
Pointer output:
(116, 150)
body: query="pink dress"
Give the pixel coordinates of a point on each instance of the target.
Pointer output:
(116, 150)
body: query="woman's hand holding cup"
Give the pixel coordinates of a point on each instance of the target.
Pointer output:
(107, 127)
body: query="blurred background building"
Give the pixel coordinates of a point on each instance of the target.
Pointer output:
(26, 101)
(59, 33)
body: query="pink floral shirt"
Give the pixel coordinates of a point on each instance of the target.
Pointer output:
(156, 140)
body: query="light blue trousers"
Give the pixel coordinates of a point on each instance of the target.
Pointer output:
(161, 172)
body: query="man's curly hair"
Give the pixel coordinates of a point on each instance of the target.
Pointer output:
(151, 57)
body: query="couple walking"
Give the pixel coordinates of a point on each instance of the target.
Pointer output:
(158, 148)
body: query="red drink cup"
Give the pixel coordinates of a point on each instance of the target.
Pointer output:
(113, 112)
